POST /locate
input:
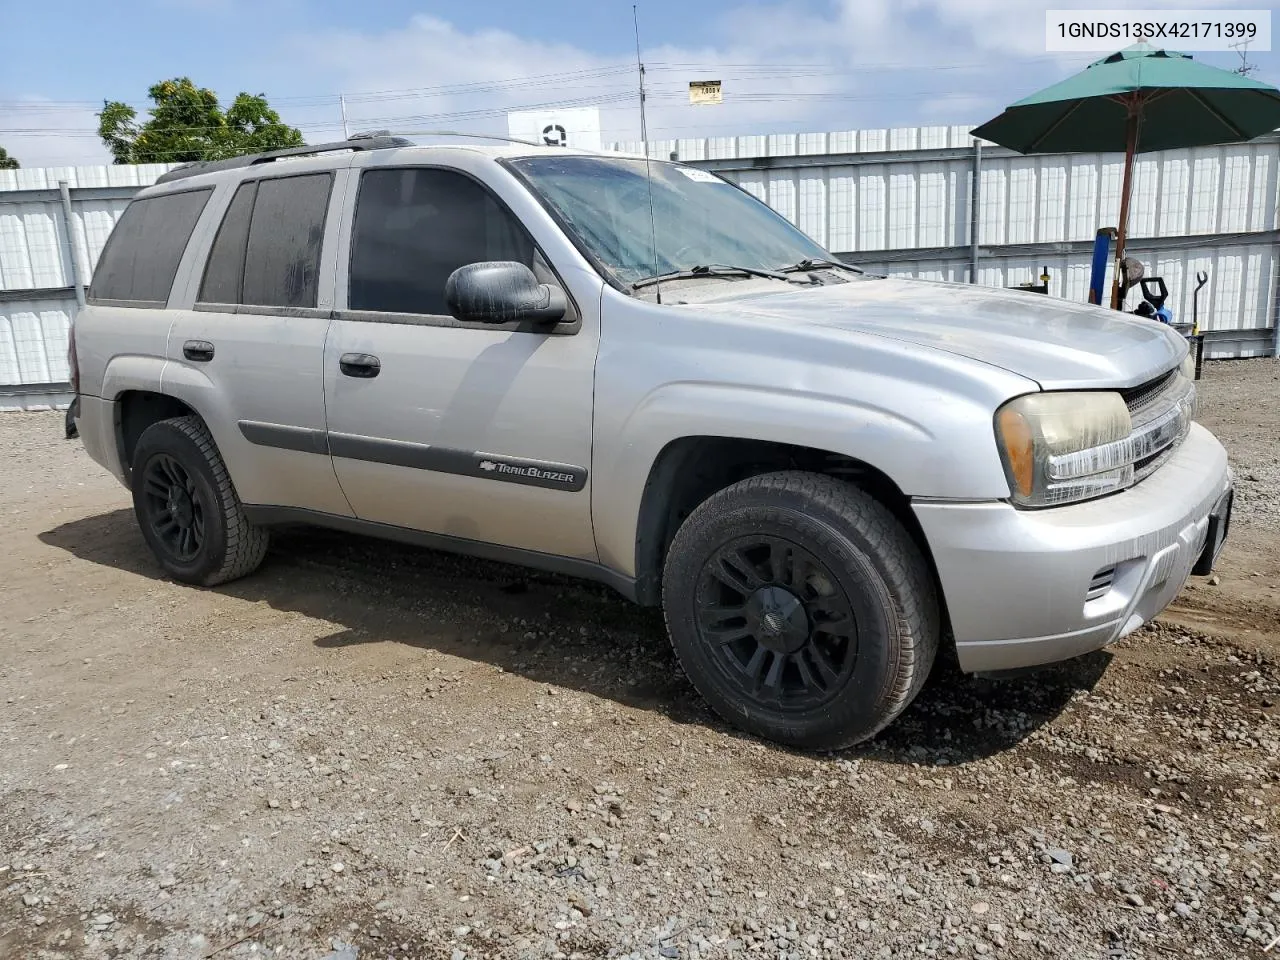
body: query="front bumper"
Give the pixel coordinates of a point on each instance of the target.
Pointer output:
(1028, 587)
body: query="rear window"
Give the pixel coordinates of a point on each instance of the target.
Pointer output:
(267, 251)
(141, 257)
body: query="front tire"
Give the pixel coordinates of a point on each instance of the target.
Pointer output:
(187, 508)
(801, 609)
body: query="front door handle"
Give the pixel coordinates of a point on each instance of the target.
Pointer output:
(362, 365)
(199, 351)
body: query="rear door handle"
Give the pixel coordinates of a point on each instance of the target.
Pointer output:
(199, 351)
(362, 365)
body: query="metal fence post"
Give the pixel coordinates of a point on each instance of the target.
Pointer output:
(68, 223)
(975, 210)
(1274, 311)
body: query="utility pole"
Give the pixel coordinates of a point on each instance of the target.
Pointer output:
(644, 132)
(648, 167)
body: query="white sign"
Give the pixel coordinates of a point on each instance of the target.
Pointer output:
(577, 127)
(699, 176)
(705, 92)
(1105, 31)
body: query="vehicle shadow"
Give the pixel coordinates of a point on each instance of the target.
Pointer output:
(564, 632)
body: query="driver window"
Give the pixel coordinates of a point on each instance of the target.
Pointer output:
(414, 227)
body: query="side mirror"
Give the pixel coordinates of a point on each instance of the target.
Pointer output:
(502, 291)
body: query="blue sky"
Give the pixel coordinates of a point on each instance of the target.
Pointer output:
(787, 65)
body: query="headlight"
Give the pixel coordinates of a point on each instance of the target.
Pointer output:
(1055, 446)
(1188, 367)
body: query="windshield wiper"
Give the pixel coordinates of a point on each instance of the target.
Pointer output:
(714, 270)
(804, 266)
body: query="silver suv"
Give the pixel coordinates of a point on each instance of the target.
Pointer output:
(635, 372)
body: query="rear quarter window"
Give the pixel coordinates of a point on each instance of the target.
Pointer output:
(142, 255)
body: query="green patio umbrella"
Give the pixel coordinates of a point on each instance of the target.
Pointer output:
(1138, 100)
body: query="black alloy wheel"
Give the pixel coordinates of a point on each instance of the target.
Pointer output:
(173, 507)
(187, 506)
(801, 609)
(780, 625)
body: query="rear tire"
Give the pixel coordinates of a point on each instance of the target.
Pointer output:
(801, 609)
(187, 507)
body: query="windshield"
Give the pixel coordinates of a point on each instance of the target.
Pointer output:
(698, 219)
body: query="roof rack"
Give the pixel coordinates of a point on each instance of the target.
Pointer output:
(456, 133)
(375, 140)
(366, 140)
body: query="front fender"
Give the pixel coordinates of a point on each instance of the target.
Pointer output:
(942, 445)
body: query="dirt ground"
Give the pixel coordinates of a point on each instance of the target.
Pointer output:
(366, 750)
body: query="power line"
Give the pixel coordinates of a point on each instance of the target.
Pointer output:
(478, 113)
(754, 69)
(603, 98)
(608, 84)
(563, 78)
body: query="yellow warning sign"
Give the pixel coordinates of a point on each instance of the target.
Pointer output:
(705, 92)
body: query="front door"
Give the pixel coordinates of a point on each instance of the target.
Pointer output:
(467, 430)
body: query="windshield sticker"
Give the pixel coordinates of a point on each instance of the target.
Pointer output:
(699, 176)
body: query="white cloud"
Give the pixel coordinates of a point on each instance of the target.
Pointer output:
(785, 67)
(458, 67)
(861, 63)
(781, 68)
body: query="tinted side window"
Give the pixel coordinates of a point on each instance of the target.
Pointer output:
(282, 257)
(225, 271)
(141, 258)
(415, 227)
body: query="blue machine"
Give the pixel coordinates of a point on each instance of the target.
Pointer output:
(1098, 271)
(1154, 292)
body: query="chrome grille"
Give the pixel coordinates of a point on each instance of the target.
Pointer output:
(1156, 398)
(1100, 585)
(1137, 398)
(1149, 465)
(1163, 416)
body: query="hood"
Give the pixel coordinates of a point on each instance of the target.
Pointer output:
(1057, 343)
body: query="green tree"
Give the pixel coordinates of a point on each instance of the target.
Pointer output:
(7, 162)
(187, 123)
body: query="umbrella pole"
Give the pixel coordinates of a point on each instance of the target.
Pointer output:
(1126, 187)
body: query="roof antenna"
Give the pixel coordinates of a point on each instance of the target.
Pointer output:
(648, 166)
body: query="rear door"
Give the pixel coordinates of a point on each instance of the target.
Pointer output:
(249, 345)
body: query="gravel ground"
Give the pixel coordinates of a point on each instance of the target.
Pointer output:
(1239, 403)
(370, 751)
